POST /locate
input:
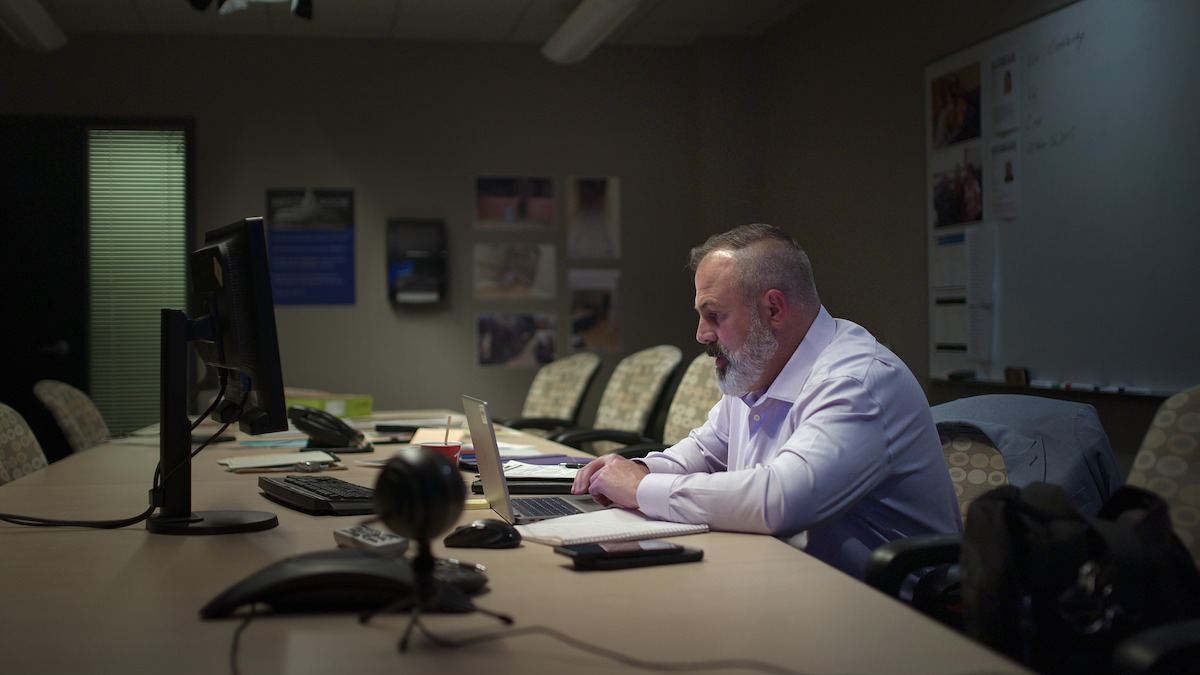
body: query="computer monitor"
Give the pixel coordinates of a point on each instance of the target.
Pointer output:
(235, 317)
(233, 330)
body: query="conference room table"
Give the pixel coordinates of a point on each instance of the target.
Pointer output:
(77, 600)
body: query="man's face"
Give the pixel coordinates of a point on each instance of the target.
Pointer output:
(735, 333)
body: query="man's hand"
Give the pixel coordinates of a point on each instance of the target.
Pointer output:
(611, 479)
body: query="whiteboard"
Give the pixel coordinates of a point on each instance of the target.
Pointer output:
(1072, 248)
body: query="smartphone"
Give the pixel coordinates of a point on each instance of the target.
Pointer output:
(625, 554)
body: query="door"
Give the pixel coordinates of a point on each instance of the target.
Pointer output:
(43, 278)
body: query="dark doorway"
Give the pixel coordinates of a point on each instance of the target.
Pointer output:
(43, 190)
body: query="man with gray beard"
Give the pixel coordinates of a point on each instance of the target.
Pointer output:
(822, 437)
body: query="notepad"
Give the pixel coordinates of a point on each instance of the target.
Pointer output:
(435, 435)
(286, 459)
(613, 524)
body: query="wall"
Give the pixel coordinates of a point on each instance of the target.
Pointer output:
(816, 126)
(408, 126)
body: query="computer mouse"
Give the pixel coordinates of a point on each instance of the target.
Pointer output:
(485, 533)
(341, 580)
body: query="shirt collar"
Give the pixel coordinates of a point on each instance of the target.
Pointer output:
(788, 383)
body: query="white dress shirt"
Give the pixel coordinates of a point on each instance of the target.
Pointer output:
(840, 450)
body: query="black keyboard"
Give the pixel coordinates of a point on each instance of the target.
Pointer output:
(319, 495)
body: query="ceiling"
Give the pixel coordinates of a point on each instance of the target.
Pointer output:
(655, 22)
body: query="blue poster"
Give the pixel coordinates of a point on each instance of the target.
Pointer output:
(310, 234)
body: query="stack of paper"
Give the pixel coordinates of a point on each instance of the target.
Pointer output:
(614, 524)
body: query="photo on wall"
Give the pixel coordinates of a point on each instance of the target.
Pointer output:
(595, 309)
(955, 103)
(516, 340)
(515, 271)
(957, 192)
(514, 203)
(593, 217)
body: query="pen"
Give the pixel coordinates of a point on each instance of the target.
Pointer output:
(453, 562)
(571, 465)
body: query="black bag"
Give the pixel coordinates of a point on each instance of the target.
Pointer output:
(1058, 590)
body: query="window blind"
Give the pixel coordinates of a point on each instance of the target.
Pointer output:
(137, 217)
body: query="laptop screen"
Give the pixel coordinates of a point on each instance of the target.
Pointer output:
(487, 455)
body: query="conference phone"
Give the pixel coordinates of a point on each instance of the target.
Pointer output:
(326, 430)
(340, 580)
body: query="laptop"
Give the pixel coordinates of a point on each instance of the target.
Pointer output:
(487, 454)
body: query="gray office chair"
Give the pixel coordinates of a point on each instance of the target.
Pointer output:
(557, 392)
(20, 452)
(694, 397)
(988, 441)
(74, 412)
(631, 399)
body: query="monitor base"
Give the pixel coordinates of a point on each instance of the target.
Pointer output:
(213, 522)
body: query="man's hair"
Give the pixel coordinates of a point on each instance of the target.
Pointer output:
(765, 257)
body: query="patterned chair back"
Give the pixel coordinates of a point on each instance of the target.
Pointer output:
(634, 391)
(975, 464)
(695, 396)
(995, 439)
(558, 388)
(20, 452)
(74, 412)
(1168, 463)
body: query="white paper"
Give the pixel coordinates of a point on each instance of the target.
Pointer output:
(516, 469)
(286, 459)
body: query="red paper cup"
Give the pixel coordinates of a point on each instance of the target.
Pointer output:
(448, 449)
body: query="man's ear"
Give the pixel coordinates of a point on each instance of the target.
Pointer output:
(774, 307)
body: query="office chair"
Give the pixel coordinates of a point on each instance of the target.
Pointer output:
(557, 392)
(989, 441)
(975, 464)
(20, 452)
(1041, 440)
(74, 412)
(694, 397)
(1166, 465)
(631, 399)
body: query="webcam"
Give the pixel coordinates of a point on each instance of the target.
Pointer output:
(419, 494)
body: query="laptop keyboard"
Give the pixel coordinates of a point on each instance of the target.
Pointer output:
(545, 506)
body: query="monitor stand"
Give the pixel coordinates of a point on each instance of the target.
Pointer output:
(173, 495)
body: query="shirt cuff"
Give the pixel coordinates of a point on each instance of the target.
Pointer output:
(653, 493)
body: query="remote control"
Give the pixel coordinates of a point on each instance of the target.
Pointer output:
(370, 539)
